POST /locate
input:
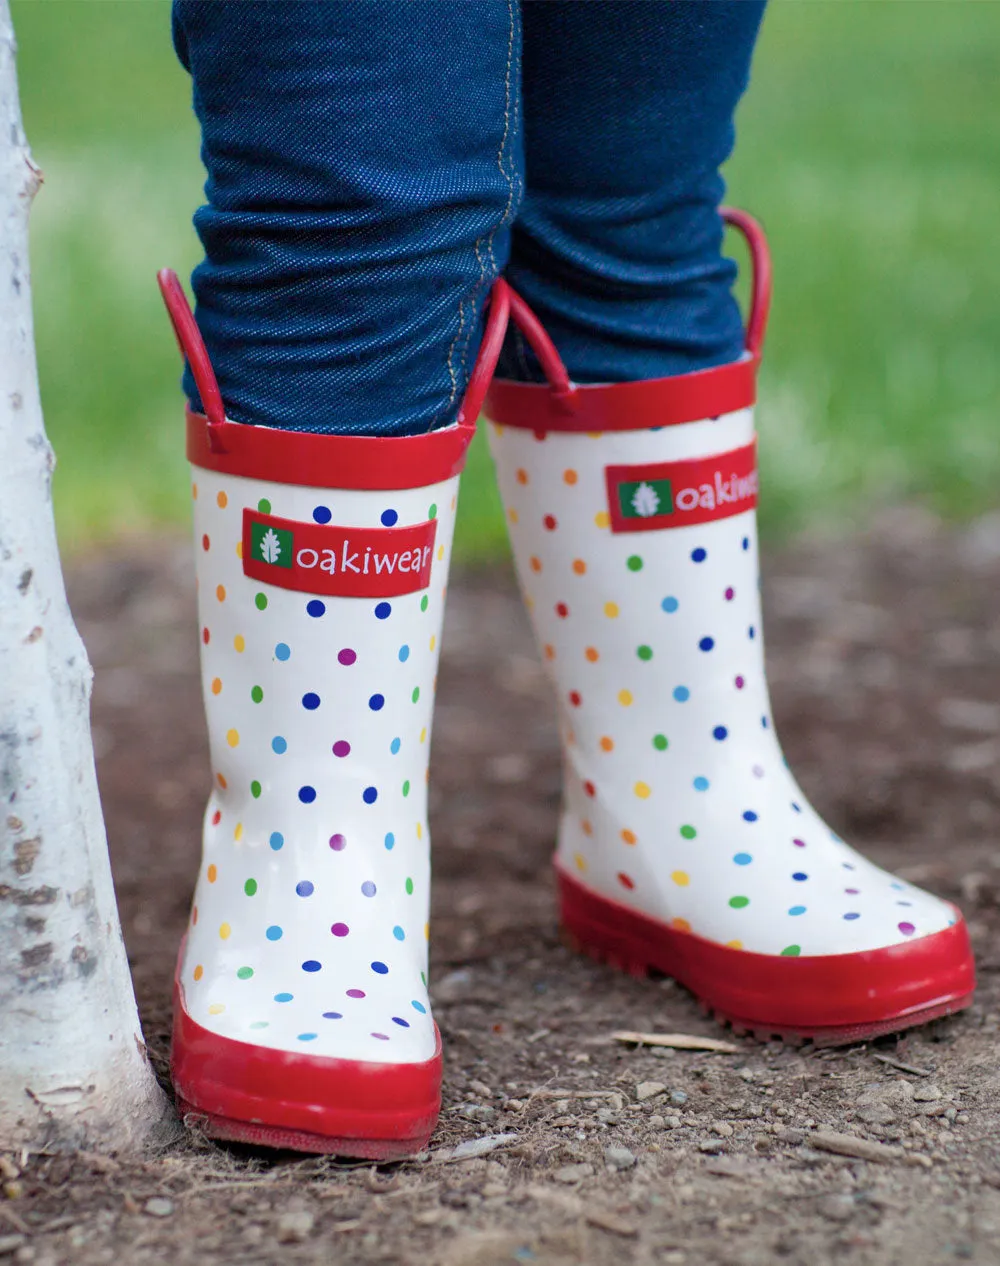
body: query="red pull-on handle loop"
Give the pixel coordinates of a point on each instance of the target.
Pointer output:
(760, 282)
(193, 348)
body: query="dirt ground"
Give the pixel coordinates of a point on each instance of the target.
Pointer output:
(885, 665)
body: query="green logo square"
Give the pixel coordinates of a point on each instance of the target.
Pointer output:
(272, 545)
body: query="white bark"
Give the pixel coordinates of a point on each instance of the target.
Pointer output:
(73, 1068)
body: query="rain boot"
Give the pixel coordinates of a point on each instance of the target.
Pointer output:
(685, 845)
(301, 1015)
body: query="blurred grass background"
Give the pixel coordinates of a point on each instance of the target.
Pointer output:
(868, 144)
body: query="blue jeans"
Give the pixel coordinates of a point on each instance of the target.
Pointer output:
(374, 165)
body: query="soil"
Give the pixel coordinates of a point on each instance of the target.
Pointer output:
(884, 652)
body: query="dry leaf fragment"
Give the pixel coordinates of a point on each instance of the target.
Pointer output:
(611, 1222)
(849, 1145)
(678, 1041)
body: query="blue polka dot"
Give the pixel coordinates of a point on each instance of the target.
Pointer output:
(706, 643)
(283, 997)
(797, 807)
(742, 859)
(419, 1006)
(308, 1037)
(322, 514)
(274, 933)
(898, 886)
(796, 910)
(670, 605)
(799, 876)
(311, 965)
(278, 745)
(763, 724)
(399, 934)
(376, 703)
(389, 518)
(277, 841)
(383, 611)
(746, 542)
(699, 555)
(749, 816)
(307, 794)
(315, 608)
(751, 632)
(390, 840)
(682, 694)
(852, 915)
(848, 865)
(720, 732)
(369, 795)
(332, 1015)
(368, 889)
(304, 888)
(310, 701)
(282, 651)
(402, 1023)
(395, 745)
(404, 654)
(701, 784)
(380, 969)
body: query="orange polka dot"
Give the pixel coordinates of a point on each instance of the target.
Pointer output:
(680, 925)
(216, 685)
(221, 780)
(225, 931)
(734, 944)
(454, 500)
(681, 878)
(221, 500)
(579, 566)
(198, 972)
(570, 477)
(239, 643)
(571, 738)
(602, 519)
(607, 745)
(194, 492)
(512, 515)
(233, 738)
(239, 549)
(611, 610)
(216, 1008)
(529, 602)
(628, 837)
(427, 931)
(212, 874)
(206, 544)
(580, 861)
(550, 651)
(521, 476)
(220, 592)
(591, 654)
(535, 563)
(586, 828)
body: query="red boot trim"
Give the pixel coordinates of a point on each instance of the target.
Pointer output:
(830, 998)
(236, 1090)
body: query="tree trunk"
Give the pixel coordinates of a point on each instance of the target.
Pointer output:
(73, 1066)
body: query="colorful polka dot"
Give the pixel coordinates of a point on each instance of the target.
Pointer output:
(250, 887)
(699, 555)
(341, 748)
(682, 694)
(634, 562)
(382, 611)
(681, 878)
(304, 888)
(706, 644)
(644, 652)
(340, 929)
(625, 698)
(310, 701)
(338, 842)
(742, 859)
(322, 514)
(260, 602)
(274, 933)
(389, 841)
(276, 841)
(256, 694)
(239, 644)
(688, 832)
(312, 965)
(700, 784)
(404, 654)
(739, 903)
(720, 733)
(264, 506)
(233, 738)
(307, 794)
(369, 795)
(279, 745)
(283, 997)
(315, 608)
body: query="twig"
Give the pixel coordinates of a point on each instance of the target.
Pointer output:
(903, 1068)
(678, 1041)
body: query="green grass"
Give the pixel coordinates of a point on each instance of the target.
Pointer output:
(868, 145)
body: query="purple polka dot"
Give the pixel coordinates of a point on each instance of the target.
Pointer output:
(853, 892)
(740, 683)
(355, 993)
(340, 929)
(757, 771)
(730, 594)
(368, 889)
(338, 842)
(907, 929)
(346, 656)
(341, 748)
(799, 843)
(332, 1015)
(382, 1037)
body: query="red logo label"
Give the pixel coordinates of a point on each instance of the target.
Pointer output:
(340, 561)
(677, 494)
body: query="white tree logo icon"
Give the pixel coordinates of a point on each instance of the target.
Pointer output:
(645, 500)
(270, 546)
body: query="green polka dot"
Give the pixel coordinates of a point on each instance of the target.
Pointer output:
(255, 789)
(792, 951)
(416, 694)
(256, 694)
(406, 788)
(644, 652)
(244, 973)
(250, 887)
(660, 742)
(423, 603)
(409, 887)
(264, 506)
(432, 513)
(634, 563)
(423, 977)
(739, 902)
(259, 1024)
(688, 832)
(261, 601)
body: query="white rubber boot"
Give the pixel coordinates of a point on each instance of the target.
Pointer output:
(301, 1011)
(685, 844)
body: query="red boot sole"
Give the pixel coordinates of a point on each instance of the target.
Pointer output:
(831, 1000)
(244, 1093)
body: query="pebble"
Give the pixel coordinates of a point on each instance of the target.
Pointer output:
(158, 1207)
(713, 1146)
(619, 1157)
(927, 1092)
(480, 1146)
(294, 1226)
(678, 1097)
(656, 1122)
(723, 1129)
(788, 1135)
(573, 1173)
(10, 1244)
(477, 1112)
(837, 1208)
(648, 1090)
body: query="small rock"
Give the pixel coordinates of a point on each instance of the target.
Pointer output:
(678, 1097)
(837, 1208)
(673, 1123)
(477, 1112)
(619, 1157)
(648, 1090)
(656, 1122)
(573, 1173)
(723, 1129)
(294, 1226)
(607, 1116)
(713, 1146)
(927, 1092)
(794, 1138)
(848, 1145)
(8, 1169)
(158, 1207)
(480, 1147)
(612, 1222)
(10, 1244)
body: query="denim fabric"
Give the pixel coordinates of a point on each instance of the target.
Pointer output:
(367, 160)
